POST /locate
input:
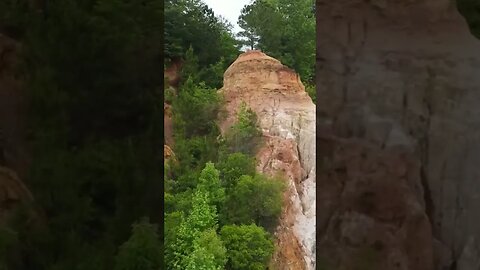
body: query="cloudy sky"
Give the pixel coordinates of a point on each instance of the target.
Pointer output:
(230, 9)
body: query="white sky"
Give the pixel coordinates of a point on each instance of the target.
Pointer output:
(230, 9)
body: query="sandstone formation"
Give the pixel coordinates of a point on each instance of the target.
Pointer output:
(398, 75)
(168, 153)
(286, 116)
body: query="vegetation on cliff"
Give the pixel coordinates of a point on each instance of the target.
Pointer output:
(213, 195)
(214, 186)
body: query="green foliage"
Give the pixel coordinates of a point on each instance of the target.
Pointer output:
(191, 23)
(194, 152)
(244, 136)
(210, 182)
(190, 68)
(284, 30)
(191, 26)
(195, 110)
(256, 200)
(172, 223)
(233, 167)
(247, 21)
(202, 217)
(194, 188)
(312, 92)
(142, 251)
(94, 122)
(249, 247)
(208, 252)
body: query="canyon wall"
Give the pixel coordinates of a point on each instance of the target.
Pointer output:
(398, 130)
(286, 115)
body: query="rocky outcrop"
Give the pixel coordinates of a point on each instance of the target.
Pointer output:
(168, 153)
(286, 115)
(401, 74)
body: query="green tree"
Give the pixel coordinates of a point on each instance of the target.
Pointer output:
(210, 182)
(202, 217)
(249, 247)
(284, 30)
(189, 24)
(172, 223)
(255, 200)
(312, 92)
(208, 252)
(142, 250)
(246, 22)
(195, 110)
(233, 167)
(244, 136)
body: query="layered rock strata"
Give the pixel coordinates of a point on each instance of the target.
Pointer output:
(402, 74)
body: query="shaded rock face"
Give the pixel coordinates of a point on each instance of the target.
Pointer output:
(371, 211)
(286, 115)
(12, 108)
(405, 74)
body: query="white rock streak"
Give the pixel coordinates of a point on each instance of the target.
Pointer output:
(288, 125)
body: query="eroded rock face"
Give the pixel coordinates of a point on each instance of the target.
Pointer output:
(405, 73)
(286, 115)
(371, 211)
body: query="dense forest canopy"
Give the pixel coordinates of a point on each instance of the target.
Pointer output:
(91, 72)
(284, 30)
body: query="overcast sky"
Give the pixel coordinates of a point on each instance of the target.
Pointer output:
(230, 9)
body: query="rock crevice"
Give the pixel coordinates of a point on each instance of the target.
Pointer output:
(410, 87)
